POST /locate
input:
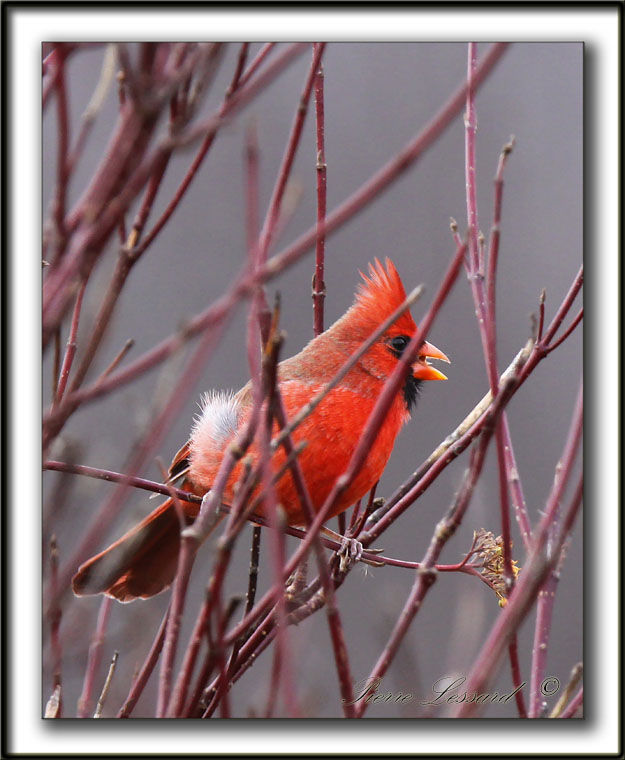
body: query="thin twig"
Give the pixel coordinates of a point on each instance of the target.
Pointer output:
(259, 520)
(128, 257)
(172, 629)
(448, 450)
(245, 286)
(375, 420)
(203, 524)
(236, 78)
(563, 309)
(495, 230)
(485, 303)
(70, 349)
(574, 705)
(486, 312)
(93, 658)
(447, 526)
(142, 452)
(55, 625)
(337, 634)
(107, 75)
(127, 152)
(256, 62)
(62, 173)
(319, 288)
(544, 614)
(250, 596)
(456, 442)
(470, 124)
(56, 361)
(273, 213)
(117, 477)
(106, 687)
(119, 358)
(517, 678)
(542, 633)
(578, 318)
(541, 310)
(54, 704)
(282, 667)
(535, 571)
(143, 677)
(307, 410)
(190, 539)
(231, 104)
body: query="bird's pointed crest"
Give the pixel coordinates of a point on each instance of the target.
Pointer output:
(380, 293)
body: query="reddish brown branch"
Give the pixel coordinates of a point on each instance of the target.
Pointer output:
(161, 421)
(319, 288)
(244, 286)
(235, 98)
(70, 349)
(269, 227)
(535, 571)
(485, 303)
(94, 658)
(62, 173)
(426, 575)
(567, 332)
(517, 678)
(574, 705)
(94, 106)
(257, 62)
(143, 677)
(54, 618)
(370, 431)
(123, 173)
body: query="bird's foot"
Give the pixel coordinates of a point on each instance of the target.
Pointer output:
(351, 551)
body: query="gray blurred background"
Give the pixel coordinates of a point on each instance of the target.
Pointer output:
(377, 96)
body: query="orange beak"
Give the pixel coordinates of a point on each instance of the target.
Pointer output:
(421, 370)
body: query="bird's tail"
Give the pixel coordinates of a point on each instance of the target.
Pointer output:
(141, 563)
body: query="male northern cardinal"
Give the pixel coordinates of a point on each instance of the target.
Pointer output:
(143, 562)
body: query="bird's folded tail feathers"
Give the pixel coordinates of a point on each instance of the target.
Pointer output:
(140, 564)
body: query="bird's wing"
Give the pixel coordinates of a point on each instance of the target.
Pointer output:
(180, 464)
(244, 396)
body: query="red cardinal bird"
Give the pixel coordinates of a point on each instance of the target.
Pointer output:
(143, 562)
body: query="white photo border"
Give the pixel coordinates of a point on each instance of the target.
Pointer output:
(25, 28)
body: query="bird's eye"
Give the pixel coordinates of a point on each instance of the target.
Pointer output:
(399, 343)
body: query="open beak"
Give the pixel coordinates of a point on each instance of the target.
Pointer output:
(422, 370)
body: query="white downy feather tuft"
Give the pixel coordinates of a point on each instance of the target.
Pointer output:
(218, 419)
